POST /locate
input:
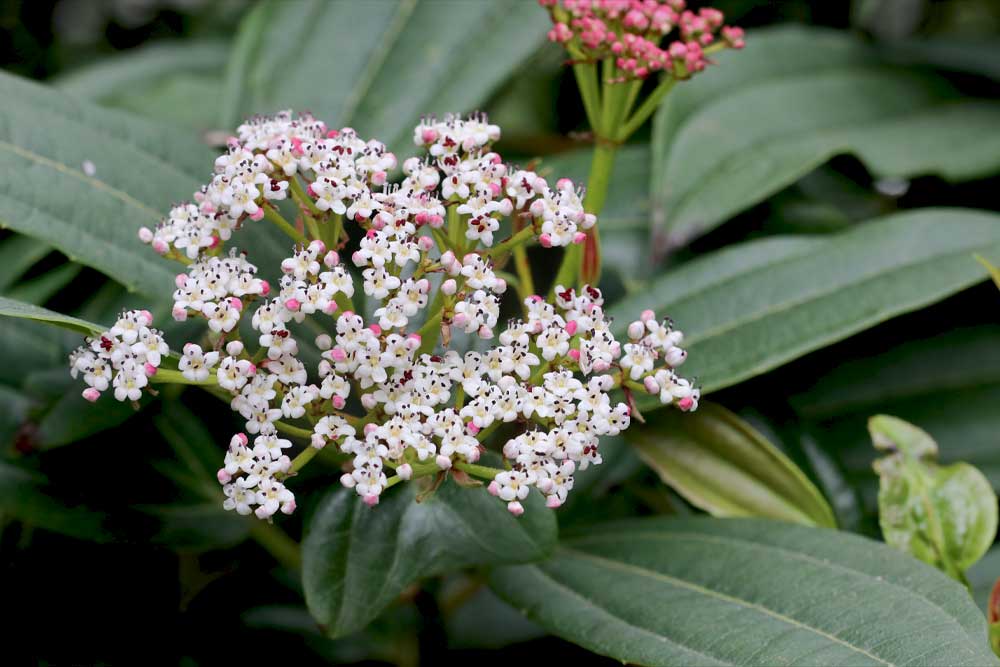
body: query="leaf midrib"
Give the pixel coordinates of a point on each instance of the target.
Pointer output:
(708, 592)
(795, 555)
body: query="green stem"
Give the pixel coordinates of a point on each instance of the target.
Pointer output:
(277, 543)
(601, 166)
(302, 459)
(516, 241)
(169, 376)
(272, 214)
(646, 109)
(483, 472)
(294, 431)
(586, 81)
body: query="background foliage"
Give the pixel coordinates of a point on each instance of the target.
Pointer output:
(807, 211)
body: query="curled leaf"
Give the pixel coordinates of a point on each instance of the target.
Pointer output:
(944, 515)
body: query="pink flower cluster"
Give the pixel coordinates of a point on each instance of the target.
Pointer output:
(631, 31)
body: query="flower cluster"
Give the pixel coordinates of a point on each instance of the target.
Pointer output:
(124, 357)
(390, 396)
(631, 31)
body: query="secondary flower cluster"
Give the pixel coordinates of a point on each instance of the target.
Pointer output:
(389, 391)
(124, 357)
(630, 32)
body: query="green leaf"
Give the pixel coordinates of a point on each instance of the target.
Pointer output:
(12, 308)
(719, 463)
(944, 515)
(358, 559)
(993, 271)
(749, 308)
(140, 169)
(17, 255)
(746, 592)
(731, 148)
(45, 286)
(142, 68)
(28, 497)
(378, 66)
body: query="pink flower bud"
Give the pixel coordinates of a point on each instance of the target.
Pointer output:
(348, 481)
(571, 327)
(223, 476)
(370, 428)
(686, 403)
(515, 508)
(234, 348)
(180, 280)
(293, 305)
(436, 221)
(425, 243)
(413, 341)
(460, 319)
(647, 315)
(358, 258)
(449, 287)
(545, 240)
(574, 354)
(375, 329)
(160, 247)
(256, 215)
(368, 401)
(553, 502)
(379, 177)
(214, 242)
(447, 259)
(472, 428)
(288, 508)
(429, 135)
(317, 247)
(579, 238)
(331, 259)
(330, 308)
(149, 369)
(235, 303)
(501, 286)
(493, 488)
(636, 330)
(91, 394)
(371, 500)
(405, 471)
(443, 462)
(651, 385)
(179, 313)
(600, 366)
(265, 288)
(338, 354)
(485, 332)
(338, 402)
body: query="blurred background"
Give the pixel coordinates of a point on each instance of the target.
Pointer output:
(107, 556)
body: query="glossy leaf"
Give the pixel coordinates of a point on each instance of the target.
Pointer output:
(731, 147)
(746, 592)
(721, 464)
(358, 559)
(140, 68)
(378, 66)
(943, 515)
(18, 254)
(140, 169)
(749, 308)
(12, 308)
